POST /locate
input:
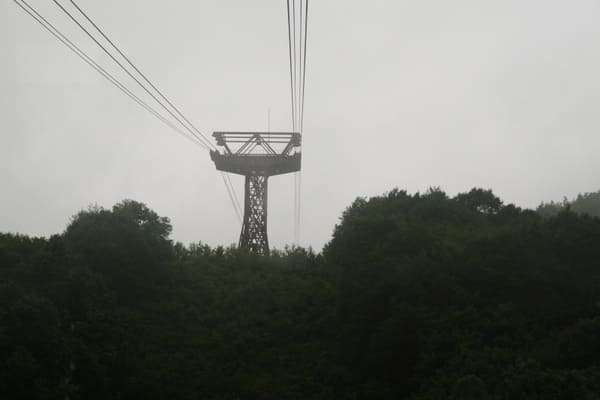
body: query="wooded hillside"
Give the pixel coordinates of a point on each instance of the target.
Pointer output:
(415, 297)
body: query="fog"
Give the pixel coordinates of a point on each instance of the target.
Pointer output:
(501, 95)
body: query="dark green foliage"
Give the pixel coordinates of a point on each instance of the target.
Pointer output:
(416, 296)
(128, 246)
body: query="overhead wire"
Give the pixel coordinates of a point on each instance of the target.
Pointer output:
(231, 195)
(139, 71)
(292, 95)
(304, 65)
(297, 43)
(190, 135)
(235, 197)
(190, 126)
(32, 12)
(298, 72)
(295, 63)
(298, 127)
(292, 91)
(296, 60)
(128, 72)
(301, 121)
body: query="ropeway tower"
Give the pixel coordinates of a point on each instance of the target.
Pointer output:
(257, 156)
(260, 155)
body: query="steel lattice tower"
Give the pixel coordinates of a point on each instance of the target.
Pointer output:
(257, 156)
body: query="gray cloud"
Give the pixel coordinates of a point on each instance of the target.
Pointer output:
(499, 94)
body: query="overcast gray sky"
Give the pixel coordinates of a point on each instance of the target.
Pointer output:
(498, 94)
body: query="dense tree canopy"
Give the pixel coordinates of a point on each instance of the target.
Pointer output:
(415, 297)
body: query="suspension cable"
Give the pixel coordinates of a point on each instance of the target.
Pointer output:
(231, 196)
(291, 67)
(201, 138)
(190, 126)
(297, 43)
(32, 12)
(235, 196)
(138, 71)
(304, 66)
(301, 122)
(227, 180)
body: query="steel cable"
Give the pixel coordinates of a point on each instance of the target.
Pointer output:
(32, 12)
(139, 71)
(201, 138)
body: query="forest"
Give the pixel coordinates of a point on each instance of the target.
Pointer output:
(416, 296)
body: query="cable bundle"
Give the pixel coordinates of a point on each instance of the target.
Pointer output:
(297, 38)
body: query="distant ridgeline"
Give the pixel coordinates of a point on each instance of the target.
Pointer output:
(415, 297)
(588, 203)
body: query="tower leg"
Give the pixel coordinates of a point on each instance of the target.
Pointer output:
(254, 230)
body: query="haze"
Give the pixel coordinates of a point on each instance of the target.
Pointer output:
(501, 95)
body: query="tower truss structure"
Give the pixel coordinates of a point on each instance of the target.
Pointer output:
(257, 156)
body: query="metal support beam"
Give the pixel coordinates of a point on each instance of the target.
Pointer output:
(257, 156)
(254, 230)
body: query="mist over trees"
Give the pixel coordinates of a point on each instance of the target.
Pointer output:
(586, 203)
(420, 296)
